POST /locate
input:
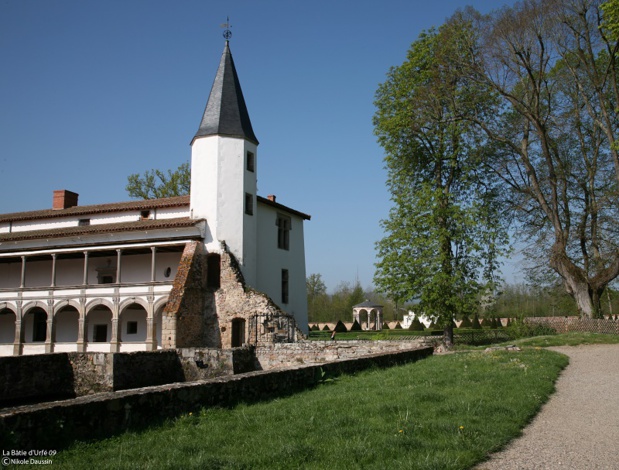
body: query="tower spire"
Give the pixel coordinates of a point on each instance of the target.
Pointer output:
(226, 113)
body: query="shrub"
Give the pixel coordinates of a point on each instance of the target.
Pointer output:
(466, 323)
(475, 323)
(340, 327)
(397, 326)
(326, 328)
(520, 329)
(315, 328)
(385, 326)
(355, 326)
(416, 325)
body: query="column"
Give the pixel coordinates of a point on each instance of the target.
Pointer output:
(153, 250)
(118, 254)
(49, 339)
(22, 282)
(85, 281)
(81, 329)
(114, 341)
(17, 342)
(53, 284)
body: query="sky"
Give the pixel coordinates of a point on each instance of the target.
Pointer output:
(93, 91)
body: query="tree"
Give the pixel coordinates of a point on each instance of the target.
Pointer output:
(552, 65)
(317, 298)
(154, 184)
(444, 232)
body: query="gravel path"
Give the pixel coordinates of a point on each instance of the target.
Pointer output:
(578, 428)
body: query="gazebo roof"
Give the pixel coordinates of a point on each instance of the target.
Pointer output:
(367, 304)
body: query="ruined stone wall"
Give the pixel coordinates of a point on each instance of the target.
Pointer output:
(184, 319)
(278, 355)
(199, 316)
(54, 425)
(235, 300)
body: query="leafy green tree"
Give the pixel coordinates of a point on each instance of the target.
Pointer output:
(317, 299)
(154, 184)
(444, 232)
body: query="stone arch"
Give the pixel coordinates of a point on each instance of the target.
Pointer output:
(8, 318)
(66, 323)
(67, 303)
(133, 300)
(34, 323)
(133, 322)
(98, 302)
(99, 322)
(158, 309)
(35, 304)
(8, 306)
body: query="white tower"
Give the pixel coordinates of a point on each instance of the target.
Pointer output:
(224, 169)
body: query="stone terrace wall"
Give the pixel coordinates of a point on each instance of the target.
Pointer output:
(27, 378)
(46, 377)
(569, 324)
(54, 425)
(272, 356)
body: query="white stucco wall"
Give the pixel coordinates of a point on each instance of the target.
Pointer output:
(219, 182)
(271, 261)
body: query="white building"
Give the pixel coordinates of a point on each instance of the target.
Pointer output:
(175, 272)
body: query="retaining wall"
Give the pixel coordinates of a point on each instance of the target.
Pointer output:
(45, 377)
(54, 425)
(277, 355)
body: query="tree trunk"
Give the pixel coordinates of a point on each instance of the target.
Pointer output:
(585, 294)
(448, 335)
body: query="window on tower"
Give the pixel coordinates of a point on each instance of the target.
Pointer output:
(249, 204)
(251, 162)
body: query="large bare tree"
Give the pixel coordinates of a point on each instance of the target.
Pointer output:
(553, 67)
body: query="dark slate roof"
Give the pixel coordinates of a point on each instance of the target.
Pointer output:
(144, 225)
(225, 113)
(142, 204)
(279, 206)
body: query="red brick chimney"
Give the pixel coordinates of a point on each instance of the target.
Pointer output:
(271, 197)
(63, 199)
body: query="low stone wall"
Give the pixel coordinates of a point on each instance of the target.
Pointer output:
(46, 377)
(27, 378)
(273, 356)
(54, 425)
(569, 324)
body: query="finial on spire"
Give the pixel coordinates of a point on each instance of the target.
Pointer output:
(227, 33)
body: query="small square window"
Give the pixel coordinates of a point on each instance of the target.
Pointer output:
(251, 162)
(83, 222)
(132, 328)
(249, 204)
(144, 215)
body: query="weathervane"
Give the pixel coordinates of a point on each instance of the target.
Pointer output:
(227, 33)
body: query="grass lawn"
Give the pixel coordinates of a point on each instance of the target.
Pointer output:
(564, 339)
(444, 412)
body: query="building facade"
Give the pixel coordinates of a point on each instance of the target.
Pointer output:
(218, 268)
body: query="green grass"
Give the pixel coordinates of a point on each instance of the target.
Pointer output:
(568, 339)
(444, 412)
(563, 339)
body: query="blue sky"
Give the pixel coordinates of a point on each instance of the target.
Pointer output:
(92, 91)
